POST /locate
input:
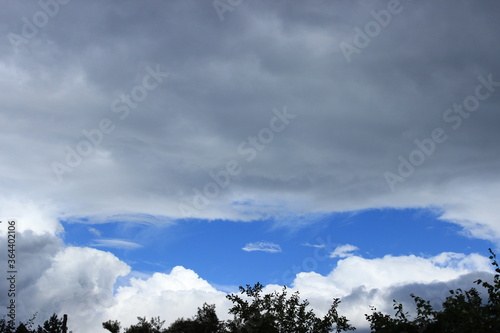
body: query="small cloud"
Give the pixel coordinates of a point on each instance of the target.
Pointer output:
(262, 246)
(115, 243)
(94, 231)
(318, 246)
(343, 251)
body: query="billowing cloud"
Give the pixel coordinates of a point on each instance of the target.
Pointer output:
(262, 246)
(81, 282)
(52, 277)
(355, 271)
(171, 296)
(361, 282)
(39, 217)
(343, 251)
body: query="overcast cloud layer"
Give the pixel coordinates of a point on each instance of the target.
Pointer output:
(352, 114)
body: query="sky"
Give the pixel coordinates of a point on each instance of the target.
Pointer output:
(158, 154)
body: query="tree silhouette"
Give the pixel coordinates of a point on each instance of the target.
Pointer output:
(143, 326)
(112, 325)
(276, 312)
(52, 325)
(5, 326)
(205, 321)
(22, 329)
(154, 325)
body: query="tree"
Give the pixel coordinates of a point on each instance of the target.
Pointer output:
(143, 326)
(52, 325)
(22, 329)
(112, 325)
(492, 308)
(205, 321)
(5, 326)
(383, 323)
(276, 312)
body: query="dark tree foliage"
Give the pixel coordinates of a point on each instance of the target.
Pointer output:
(278, 313)
(205, 321)
(462, 312)
(52, 325)
(5, 326)
(154, 325)
(22, 329)
(256, 313)
(112, 325)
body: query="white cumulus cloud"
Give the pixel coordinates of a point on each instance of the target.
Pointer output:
(173, 295)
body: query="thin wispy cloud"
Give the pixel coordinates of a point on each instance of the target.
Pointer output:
(115, 243)
(343, 251)
(318, 246)
(263, 247)
(94, 231)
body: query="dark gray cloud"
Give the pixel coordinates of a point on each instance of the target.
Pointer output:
(436, 293)
(353, 120)
(33, 258)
